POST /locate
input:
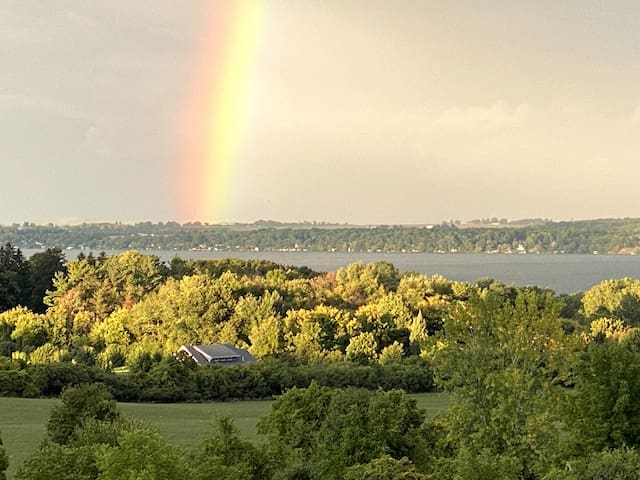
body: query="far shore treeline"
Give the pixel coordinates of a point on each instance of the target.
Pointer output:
(478, 236)
(338, 350)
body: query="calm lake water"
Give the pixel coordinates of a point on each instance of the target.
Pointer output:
(563, 273)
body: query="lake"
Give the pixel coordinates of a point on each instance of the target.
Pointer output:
(563, 273)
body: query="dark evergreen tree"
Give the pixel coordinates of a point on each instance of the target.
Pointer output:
(42, 268)
(14, 277)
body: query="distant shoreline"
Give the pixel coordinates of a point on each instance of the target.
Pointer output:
(608, 236)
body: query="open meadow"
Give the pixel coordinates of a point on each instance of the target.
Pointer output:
(23, 420)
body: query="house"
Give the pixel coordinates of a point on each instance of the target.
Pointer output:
(216, 354)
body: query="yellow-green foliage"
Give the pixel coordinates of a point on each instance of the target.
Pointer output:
(614, 298)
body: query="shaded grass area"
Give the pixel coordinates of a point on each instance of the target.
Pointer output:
(433, 403)
(186, 424)
(22, 423)
(23, 420)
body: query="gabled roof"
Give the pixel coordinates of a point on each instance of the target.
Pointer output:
(217, 353)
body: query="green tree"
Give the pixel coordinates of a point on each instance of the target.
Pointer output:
(91, 289)
(392, 353)
(115, 336)
(72, 300)
(78, 458)
(608, 328)
(604, 409)
(360, 426)
(305, 342)
(142, 455)
(418, 335)
(363, 348)
(81, 276)
(505, 363)
(358, 284)
(295, 418)
(312, 334)
(385, 468)
(28, 330)
(250, 311)
(48, 353)
(226, 457)
(614, 298)
(428, 297)
(127, 278)
(617, 464)
(14, 277)
(60, 461)
(80, 404)
(267, 338)
(190, 311)
(386, 313)
(43, 266)
(330, 430)
(104, 432)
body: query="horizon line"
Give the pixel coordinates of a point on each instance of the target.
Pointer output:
(479, 221)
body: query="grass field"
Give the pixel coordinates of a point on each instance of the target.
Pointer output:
(23, 420)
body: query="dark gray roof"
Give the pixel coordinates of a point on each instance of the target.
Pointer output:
(218, 353)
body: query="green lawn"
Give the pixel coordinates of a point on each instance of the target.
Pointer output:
(23, 421)
(186, 424)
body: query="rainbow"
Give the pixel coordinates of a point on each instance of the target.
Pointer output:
(217, 114)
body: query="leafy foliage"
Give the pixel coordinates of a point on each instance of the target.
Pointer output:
(14, 277)
(614, 298)
(505, 363)
(226, 457)
(331, 430)
(508, 355)
(604, 410)
(141, 455)
(385, 468)
(60, 461)
(617, 464)
(80, 404)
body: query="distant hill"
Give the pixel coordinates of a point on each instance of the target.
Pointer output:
(482, 236)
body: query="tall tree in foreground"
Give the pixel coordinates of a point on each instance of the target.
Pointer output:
(604, 410)
(505, 362)
(80, 404)
(323, 431)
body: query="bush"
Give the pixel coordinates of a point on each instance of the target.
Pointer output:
(13, 383)
(617, 464)
(87, 402)
(172, 380)
(59, 461)
(52, 378)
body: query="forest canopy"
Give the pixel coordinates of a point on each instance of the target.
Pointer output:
(338, 351)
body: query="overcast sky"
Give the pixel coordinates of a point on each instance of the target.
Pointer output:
(369, 111)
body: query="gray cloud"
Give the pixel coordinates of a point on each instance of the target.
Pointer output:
(361, 111)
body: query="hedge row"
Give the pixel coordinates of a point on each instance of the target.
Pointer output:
(171, 380)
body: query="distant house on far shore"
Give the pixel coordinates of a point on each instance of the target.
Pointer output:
(216, 354)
